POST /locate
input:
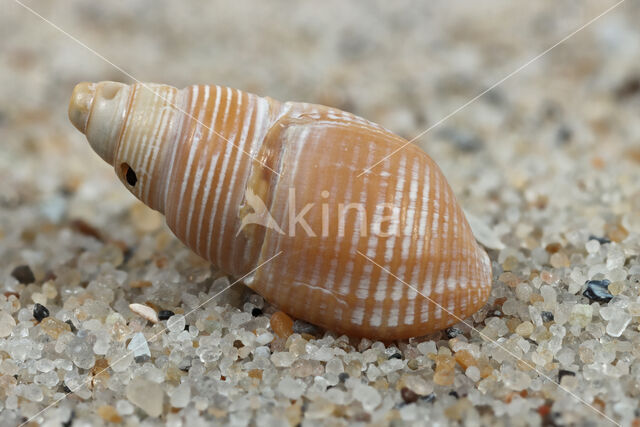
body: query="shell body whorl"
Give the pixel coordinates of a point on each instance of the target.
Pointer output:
(204, 155)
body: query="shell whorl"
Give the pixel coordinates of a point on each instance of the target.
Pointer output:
(209, 168)
(98, 110)
(201, 154)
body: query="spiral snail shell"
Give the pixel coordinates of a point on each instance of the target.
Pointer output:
(218, 161)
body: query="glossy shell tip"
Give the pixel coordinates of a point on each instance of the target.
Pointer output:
(80, 105)
(98, 110)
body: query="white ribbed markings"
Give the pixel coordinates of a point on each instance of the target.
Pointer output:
(245, 122)
(205, 154)
(212, 160)
(209, 180)
(198, 100)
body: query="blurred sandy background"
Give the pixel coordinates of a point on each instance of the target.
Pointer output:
(550, 155)
(404, 64)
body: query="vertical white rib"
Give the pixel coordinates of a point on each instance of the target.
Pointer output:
(352, 241)
(310, 145)
(143, 147)
(201, 165)
(178, 142)
(223, 170)
(247, 121)
(299, 135)
(165, 119)
(440, 281)
(410, 318)
(195, 142)
(345, 280)
(126, 137)
(398, 287)
(150, 142)
(433, 237)
(213, 163)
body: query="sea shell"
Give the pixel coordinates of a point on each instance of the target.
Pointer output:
(242, 180)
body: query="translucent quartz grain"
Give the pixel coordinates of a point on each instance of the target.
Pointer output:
(373, 372)
(81, 353)
(617, 320)
(617, 273)
(523, 291)
(32, 392)
(427, 347)
(9, 367)
(473, 373)
(367, 395)
(445, 373)
(566, 356)
(282, 324)
(180, 396)
(615, 257)
(101, 346)
(109, 414)
(48, 379)
(298, 345)
(559, 260)
(323, 354)
(581, 314)
(417, 384)
(304, 368)
(176, 323)
(146, 395)
(7, 323)
(282, 359)
(262, 351)
(138, 346)
(264, 338)
(291, 388)
(54, 327)
(592, 246)
(524, 329)
(334, 366)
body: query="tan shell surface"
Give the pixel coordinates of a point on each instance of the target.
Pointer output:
(387, 254)
(417, 273)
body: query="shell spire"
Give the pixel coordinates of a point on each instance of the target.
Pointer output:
(244, 179)
(98, 110)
